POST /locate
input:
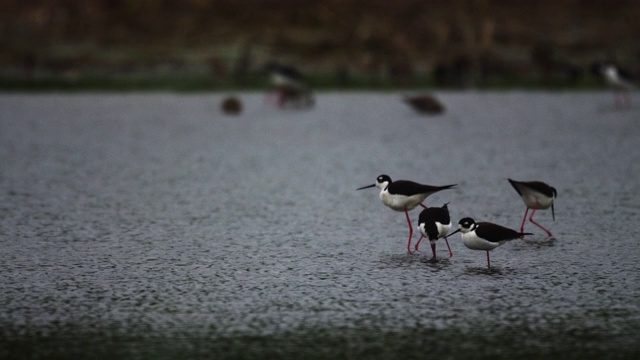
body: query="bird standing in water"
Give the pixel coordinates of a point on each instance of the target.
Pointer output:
(434, 223)
(485, 235)
(536, 195)
(404, 195)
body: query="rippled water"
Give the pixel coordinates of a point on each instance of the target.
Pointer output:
(152, 226)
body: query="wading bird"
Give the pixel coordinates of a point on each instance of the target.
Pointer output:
(485, 235)
(404, 195)
(536, 195)
(434, 223)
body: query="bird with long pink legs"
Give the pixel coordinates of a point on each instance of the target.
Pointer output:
(485, 236)
(536, 196)
(618, 80)
(404, 195)
(434, 224)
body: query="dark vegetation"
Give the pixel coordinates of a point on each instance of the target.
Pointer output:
(221, 44)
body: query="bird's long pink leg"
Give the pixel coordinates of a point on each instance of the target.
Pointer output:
(418, 243)
(425, 207)
(410, 231)
(271, 98)
(627, 99)
(619, 98)
(523, 219)
(538, 225)
(448, 247)
(488, 261)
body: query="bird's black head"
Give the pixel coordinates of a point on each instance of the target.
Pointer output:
(383, 178)
(466, 223)
(382, 181)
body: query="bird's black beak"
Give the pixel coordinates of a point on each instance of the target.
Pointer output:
(453, 232)
(553, 214)
(366, 187)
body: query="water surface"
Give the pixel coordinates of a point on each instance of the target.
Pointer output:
(153, 226)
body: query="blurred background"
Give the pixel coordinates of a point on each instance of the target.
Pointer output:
(223, 44)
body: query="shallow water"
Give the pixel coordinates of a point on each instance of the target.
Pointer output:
(153, 226)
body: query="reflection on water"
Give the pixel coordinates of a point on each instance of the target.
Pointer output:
(549, 241)
(494, 270)
(151, 226)
(415, 260)
(439, 263)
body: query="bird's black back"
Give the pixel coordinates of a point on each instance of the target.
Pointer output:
(408, 188)
(538, 186)
(496, 233)
(430, 216)
(425, 104)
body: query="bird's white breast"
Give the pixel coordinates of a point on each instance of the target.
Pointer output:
(422, 230)
(281, 80)
(472, 241)
(613, 78)
(401, 202)
(443, 229)
(536, 200)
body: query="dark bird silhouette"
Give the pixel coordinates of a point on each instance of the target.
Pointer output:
(425, 104)
(434, 223)
(231, 105)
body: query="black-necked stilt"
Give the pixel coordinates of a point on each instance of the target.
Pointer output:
(618, 81)
(536, 195)
(425, 104)
(284, 74)
(286, 96)
(289, 87)
(485, 235)
(404, 195)
(434, 224)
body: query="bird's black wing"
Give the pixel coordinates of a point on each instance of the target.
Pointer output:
(408, 188)
(496, 233)
(538, 186)
(430, 216)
